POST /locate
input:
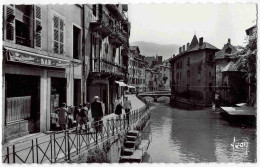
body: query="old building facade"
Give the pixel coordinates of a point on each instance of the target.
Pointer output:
(157, 74)
(165, 75)
(227, 75)
(223, 57)
(148, 79)
(137, 63)
(109, 57)
(193, 73)
(131, 71)
(50, 57)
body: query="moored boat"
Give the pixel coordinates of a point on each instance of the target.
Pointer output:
(240, 114)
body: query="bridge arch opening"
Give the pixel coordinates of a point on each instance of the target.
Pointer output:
(157, 99)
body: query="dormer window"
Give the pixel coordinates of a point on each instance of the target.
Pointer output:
(228, 51)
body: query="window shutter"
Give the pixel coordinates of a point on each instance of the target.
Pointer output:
(10, 22)
(55, 34)
(38, 37)
(61, 36)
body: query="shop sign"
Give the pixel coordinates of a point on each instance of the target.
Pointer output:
(28, 58)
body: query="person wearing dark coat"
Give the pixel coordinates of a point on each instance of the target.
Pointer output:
(84, 114)
(62, 112)
(97, 113)
(119, 107)
(127, 107)
(118, 110)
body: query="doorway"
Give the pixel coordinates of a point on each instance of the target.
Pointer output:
(23, 100)
(58, 88)
(77, 92)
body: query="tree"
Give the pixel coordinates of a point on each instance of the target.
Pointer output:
(247, 64)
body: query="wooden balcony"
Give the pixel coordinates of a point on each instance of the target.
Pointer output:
(95, 22)
(115, 40)
(118, 37)
(113, 8)
(102, 23)
(106, 68)
(124, 36)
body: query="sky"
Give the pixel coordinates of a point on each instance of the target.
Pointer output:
(177, 23)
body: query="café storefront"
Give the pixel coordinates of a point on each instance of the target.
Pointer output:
(34, 85)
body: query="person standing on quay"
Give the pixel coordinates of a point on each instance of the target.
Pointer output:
(78, 117)
(119, 107)
(127, 107)
(115, 104)
(62, 112)
(86, 107)
(82, 115)
(97, 113)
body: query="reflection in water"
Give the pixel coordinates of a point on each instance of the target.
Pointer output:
(180, 135)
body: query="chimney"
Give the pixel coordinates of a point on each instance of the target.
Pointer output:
(183, 48)
(180, 50)
(188, 46)
(173, 55)
(229, 41)
(201, 41)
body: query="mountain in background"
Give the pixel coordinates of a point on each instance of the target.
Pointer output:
(151, 49)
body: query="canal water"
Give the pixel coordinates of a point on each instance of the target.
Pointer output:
(180, 135)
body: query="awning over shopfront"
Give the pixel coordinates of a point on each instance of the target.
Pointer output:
(20, 56)
(121, 83)
(130, 86)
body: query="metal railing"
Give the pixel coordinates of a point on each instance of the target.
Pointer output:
(104, 19)
(119, 32)
(61, 146)
(108, 66)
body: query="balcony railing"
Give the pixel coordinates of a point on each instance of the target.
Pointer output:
(94, 21)
(102, 23)
(118, 36)
(113, 8)
(107, 67)
(123, 36)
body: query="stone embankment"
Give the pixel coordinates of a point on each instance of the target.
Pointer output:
(125, 146)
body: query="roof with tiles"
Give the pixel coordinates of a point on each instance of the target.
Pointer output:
(194, 46)
(134, 48)
(150, 58)
(223, 53)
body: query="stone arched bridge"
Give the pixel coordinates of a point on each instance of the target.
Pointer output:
(156, 94)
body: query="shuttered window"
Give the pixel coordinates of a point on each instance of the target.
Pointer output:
(38, 26)
(10, 22)
(188, 74)
(58, 35)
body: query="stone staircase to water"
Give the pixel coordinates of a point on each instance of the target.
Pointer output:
(132, 152)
